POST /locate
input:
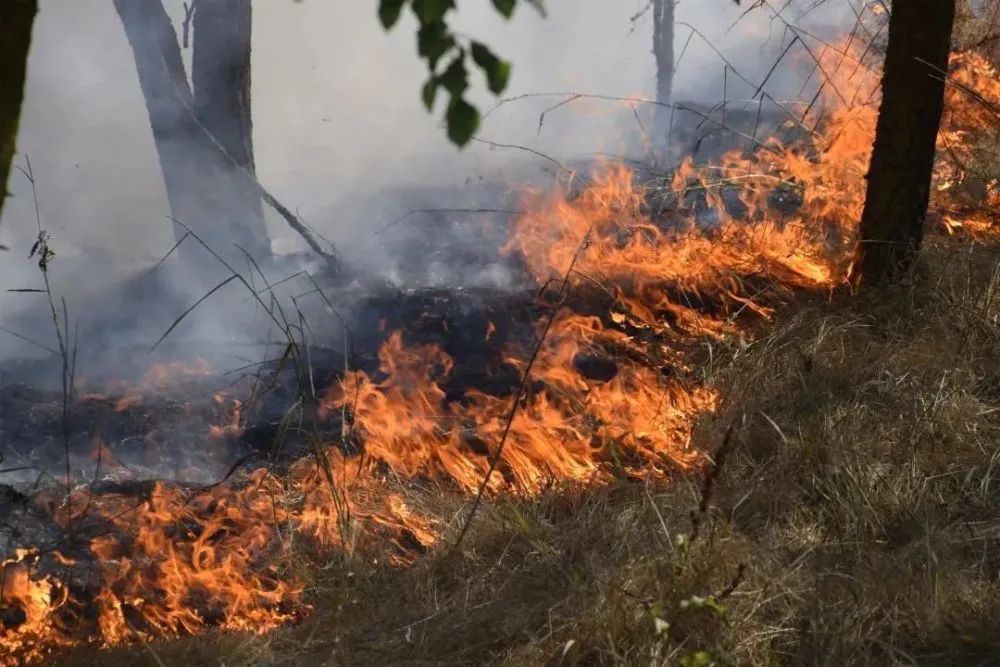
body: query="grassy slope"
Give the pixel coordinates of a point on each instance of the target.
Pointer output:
(858, 494)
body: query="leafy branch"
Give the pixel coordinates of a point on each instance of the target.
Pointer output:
(447, 56)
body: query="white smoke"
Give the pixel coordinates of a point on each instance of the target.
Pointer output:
(339, 125)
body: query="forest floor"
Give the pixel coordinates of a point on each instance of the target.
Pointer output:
(854, 520)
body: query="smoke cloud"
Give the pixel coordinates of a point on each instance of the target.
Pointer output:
(341, 134)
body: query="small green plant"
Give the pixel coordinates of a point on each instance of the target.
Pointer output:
(699, 658)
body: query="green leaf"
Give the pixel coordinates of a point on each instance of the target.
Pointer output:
(539, 6)
(524, 525)
(389, 11)
(433, 41)
(716, 607)
(431, 11)
(505, 7)
(698, 659)
(709, 603)
(429, 92)
(455, 79)
(497, 71)
(463, 121)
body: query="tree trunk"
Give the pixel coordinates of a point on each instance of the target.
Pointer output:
(205, 187)
(663, 52)
(16, 20)
(220, 77)
(899, 178)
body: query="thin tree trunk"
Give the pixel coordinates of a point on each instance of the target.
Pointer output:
(200, 178)
(220, 76)
(899, 178)
(17, 17)
(663, 52)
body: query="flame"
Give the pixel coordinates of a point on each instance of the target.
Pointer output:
(156, 378)
(180, 563)
(234, 409)
(162, 375)
(977, 225)
(26, 604)
(641, 258)
(972, 104)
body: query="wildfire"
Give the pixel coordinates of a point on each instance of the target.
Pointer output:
(966, 144)
(610, 393)
(29, 599)
(221, 570)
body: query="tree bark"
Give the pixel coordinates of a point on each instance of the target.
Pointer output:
(205, 186)
(17, 17)
(899, 177)
(663, 52)
(220, 77)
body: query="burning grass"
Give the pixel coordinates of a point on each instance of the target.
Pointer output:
(853, 522)
(583, 554)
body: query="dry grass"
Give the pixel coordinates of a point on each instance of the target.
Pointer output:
(855, 521)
